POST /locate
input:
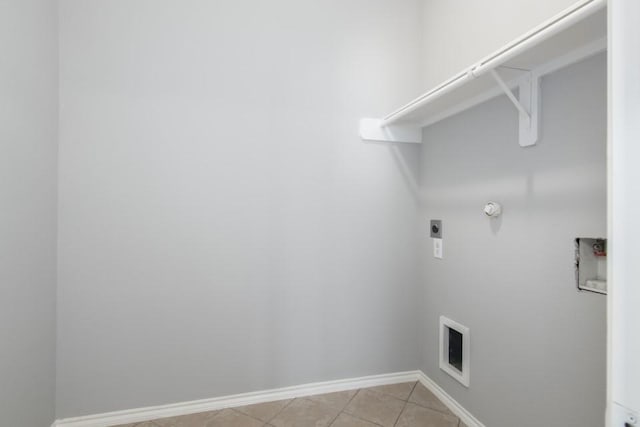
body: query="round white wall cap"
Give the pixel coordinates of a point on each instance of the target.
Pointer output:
(492, 209)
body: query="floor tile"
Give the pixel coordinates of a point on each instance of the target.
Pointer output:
(423, 397)
(376, 407)
(194, 420)
(417, 416)
(401, 391)
(345, 420)
(142, 424)
(264, 411)
(305, 413)
(225, 418)
(337, 400)
(231, 418)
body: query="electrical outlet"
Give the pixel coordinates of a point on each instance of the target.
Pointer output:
(437, 248)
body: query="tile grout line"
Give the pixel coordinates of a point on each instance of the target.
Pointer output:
(382, 394)
(405, 403)
(344, 410)
(446, 412)
(280, 411)
(289, 403)
(354, 415)
(246, 415)
(361, 419)
(345, 407)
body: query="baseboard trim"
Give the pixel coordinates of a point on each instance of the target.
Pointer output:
(451, 403)
(185, 408)
(193, 407)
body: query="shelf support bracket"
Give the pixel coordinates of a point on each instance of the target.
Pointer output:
(528, 105)
(373, 130)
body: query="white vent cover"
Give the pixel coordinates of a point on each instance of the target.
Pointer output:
(454, 350)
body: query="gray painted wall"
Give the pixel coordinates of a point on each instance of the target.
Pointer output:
(28, 152)
(459, 33)
(537, 344)
(222, 227)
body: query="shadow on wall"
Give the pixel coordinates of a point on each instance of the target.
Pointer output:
(407, 158)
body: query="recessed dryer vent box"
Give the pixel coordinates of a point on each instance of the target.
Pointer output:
(454, 350)
(591, 264)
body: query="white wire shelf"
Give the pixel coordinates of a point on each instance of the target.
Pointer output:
(573, 35)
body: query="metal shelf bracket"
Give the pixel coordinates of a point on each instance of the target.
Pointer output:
(528, 105)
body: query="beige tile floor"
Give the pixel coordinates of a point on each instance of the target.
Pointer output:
(398, 405)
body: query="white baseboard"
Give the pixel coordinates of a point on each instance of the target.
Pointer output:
(185, 408)
(196, 406)
(449, 401)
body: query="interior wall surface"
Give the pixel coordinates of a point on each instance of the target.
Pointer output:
(28, 158)
(537, 343)
(222, 227)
